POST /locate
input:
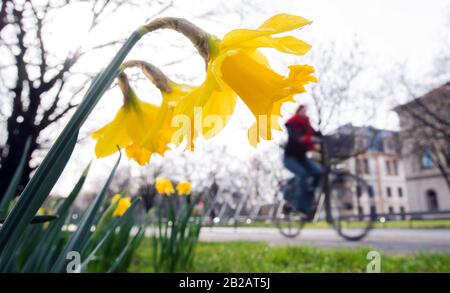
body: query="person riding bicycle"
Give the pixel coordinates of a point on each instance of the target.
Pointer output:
(302, 138)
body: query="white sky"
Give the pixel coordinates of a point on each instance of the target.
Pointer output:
(391, 32)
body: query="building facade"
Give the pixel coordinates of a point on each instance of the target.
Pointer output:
(374, 155)
(425, 137)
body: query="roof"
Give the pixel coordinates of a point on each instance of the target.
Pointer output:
(344, 138)
(438, 93)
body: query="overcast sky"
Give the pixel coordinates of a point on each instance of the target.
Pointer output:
(410, 32)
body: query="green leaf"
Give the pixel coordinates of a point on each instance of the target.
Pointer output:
(131, 246)
(47, 247)
(27, 206)
(80, 237)
(111, 230)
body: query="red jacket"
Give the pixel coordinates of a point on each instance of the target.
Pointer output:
(303, 129)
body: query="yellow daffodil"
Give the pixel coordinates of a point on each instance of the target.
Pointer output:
(42, 212)
(129, 128)
(140, 127)
(122, 206)
(162, 131)
(236, 67)
(184, 188)
(164, 186)
(115, 198)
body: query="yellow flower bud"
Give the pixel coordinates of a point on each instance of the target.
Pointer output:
(122, 206)
(164, 186)
(184, 187)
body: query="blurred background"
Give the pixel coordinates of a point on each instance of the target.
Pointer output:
(383, 71)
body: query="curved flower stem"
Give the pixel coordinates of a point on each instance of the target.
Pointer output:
(196, 35)
(153, 73)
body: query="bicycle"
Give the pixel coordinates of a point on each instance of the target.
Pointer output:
(335, 195)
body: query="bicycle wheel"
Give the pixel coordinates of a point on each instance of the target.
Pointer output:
(347, 193)
(289, 222)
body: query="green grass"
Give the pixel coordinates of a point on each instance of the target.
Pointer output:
(418, 224)
(261, 257)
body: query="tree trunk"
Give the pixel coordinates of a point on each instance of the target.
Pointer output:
(18, 134)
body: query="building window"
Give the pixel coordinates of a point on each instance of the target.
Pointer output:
(371, 191)
(426, 160)
(395, 167)
(388, 191)
(391, 167)
(360, 210)
(391, 210)
(432, 200)
(366, 166)
(388, 167)
(358, 190)
(373, 210)
(360, 143)
(400, 192)
(362, 166)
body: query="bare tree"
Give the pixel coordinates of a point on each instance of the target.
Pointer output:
(339, 92)
(37, 89)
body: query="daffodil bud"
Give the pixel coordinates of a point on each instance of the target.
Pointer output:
(124, 85)
(153, 73)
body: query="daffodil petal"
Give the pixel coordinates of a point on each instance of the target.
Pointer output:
(286, 44)
(217, 111)
(140, 117)
(276, 24)
(112, 135)
(284, 22)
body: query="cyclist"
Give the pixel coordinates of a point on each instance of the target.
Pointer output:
(302, 138)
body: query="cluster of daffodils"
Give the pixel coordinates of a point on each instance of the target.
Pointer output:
(236, 68)
(164, 186)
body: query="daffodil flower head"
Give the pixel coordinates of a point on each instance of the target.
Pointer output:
(184, 188)
(140, 127)
(122, 206)
(164, 186)
(115, 198)
(163, 131)
(236, 67)
(128, 127)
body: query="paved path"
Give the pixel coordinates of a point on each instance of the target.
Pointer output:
(393, 240)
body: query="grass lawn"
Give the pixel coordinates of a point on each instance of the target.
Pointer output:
(261, 257)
